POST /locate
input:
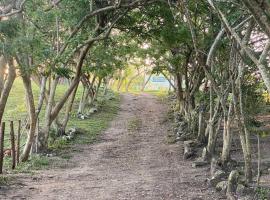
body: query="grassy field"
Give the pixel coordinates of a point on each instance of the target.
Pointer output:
(16, 107)
(16, 110)
(107, 109)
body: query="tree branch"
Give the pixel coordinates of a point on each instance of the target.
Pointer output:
(14, 12)
(96, 12)
(258, 62)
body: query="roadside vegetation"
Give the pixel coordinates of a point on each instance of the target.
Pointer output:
(214, 54)
(59, 147)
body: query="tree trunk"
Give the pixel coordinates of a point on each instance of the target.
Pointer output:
(211, 133)
(259, 161)
(97, 90)
(2, 72)
(83, 100)
(120, 81)
(52, 112)
(227, 138)
(68, 109)
(145, 83)
(43, 135)
(130, 81)
(7, 87)
(106, 84)
(169, 80)
(41, 95)
(260, 63)
(32, 117)
(179, 92)
(201, 126)
(243, 137)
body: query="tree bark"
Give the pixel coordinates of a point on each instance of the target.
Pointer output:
(2, 72)
(83, 100)
(201, 125)
(32, 117)
(145, 83)
(169, 80)
(211, 133)
(179, 92)
(227, 138)
(243, 138)
(69, 109)
(260, 63)
(41, 95)
(43, 135)
(7, 87)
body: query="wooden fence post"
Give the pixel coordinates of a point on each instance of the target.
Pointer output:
(2, 133)
(12, 142)
(18, 142)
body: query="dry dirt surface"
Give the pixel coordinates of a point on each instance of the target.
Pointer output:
(131, 161)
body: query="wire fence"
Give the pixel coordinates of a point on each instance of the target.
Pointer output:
(12, 144)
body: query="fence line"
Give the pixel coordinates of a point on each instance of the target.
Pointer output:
(12, 143)
(2, 136)
(16, 145)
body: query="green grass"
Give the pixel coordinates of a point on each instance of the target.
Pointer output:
(159, 93)
(36, 162)
(16, 110)
(262, 193)
(91, 127)
(99, 121)
(4, 180)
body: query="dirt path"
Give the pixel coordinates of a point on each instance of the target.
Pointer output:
(131, 161)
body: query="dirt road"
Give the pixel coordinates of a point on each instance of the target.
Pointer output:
(131, 161)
